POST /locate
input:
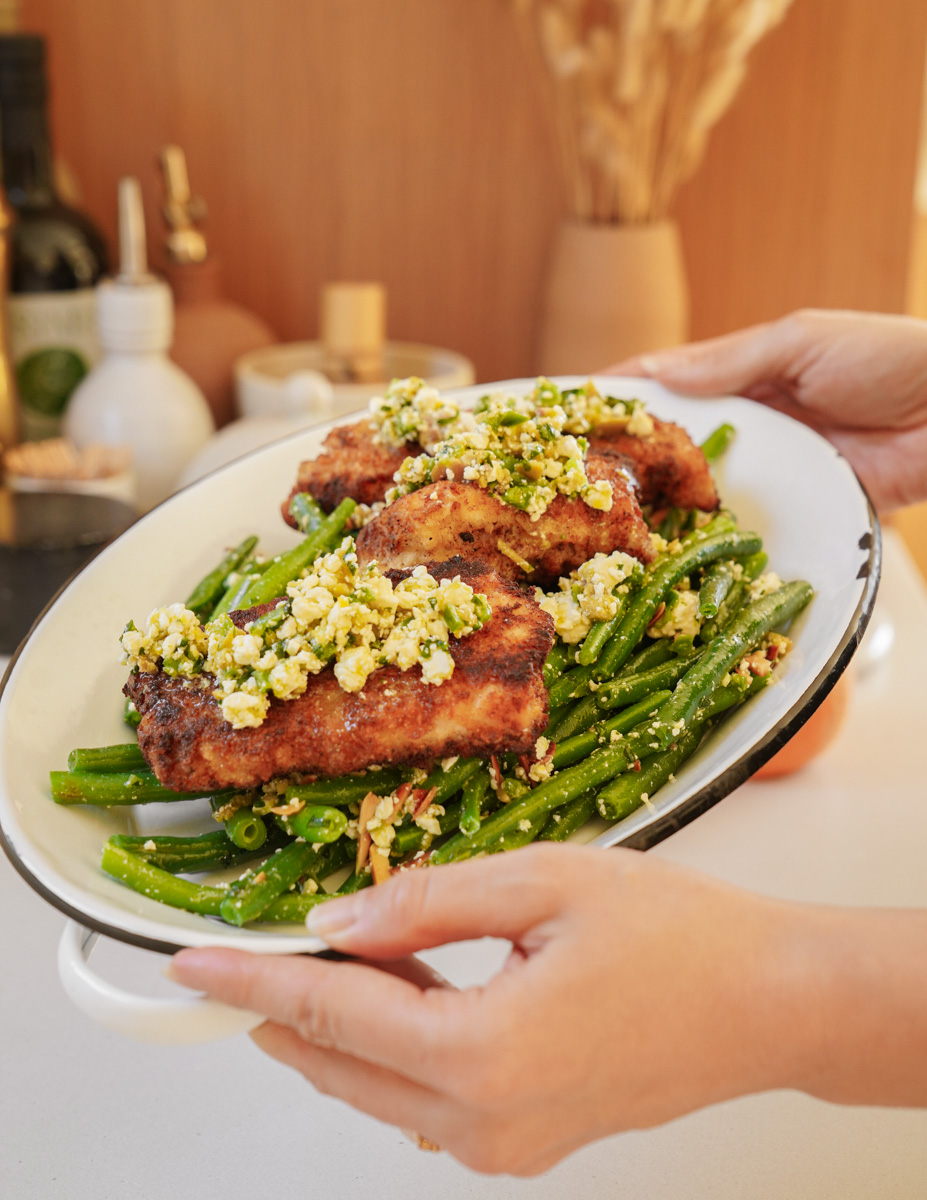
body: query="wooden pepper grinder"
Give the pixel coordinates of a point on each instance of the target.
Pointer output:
(210, 331)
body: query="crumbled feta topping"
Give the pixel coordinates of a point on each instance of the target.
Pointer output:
(682, 618)
(514, 447)
(172, 635)
(411, 411)
(763, 585)
(586, 408)
(358, 620)
(591, 593)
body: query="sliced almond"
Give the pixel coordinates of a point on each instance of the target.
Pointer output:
(365, 816)
(379, 864)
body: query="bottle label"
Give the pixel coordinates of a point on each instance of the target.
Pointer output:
(53, 344)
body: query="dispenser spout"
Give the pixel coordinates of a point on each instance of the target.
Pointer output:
(133, 256)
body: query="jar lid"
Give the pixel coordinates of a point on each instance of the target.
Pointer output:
(60, 520)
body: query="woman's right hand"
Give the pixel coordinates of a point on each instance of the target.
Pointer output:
(860, 379)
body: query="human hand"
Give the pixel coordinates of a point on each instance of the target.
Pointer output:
(860, 379)
(635, 992)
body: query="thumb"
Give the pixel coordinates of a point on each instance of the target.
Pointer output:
(735, 362)
(506, 896)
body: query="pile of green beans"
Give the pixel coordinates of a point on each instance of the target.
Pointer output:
(627, 709)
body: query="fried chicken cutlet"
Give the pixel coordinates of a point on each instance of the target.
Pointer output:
(351, 464)
(669, 468)
(447, 518)
(495, 700)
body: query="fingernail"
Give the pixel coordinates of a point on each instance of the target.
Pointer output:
(651, 363)
(333, 918)
(183, 965)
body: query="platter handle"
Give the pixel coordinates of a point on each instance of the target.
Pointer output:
(171, 1022)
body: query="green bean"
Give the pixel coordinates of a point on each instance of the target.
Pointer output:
(664, 575)
(748, 627)
(754, 564)
(446, 783)
(565, 821)
(475, 791)
(560, 789)
(739, 689)
(716, 583)
(125, 757)
(580, 716)
(131, 715)
(570, 686)
(305, 511)
(152, 881)
(573, 749)
(722, 522)
(203, 852)
(620, 692)
(111, 787)
(525, 833)
(235, 591)
(331, 857)
(659, 651)
(718, 441)
(560, 655)
(730, 606)
(246, 830)
(556, 714)
(249, 896)
(409, 838)
(316, 823)
(287, 567)
(673, 523)
(735, 599)
(204, 596)
(346, 789)
(599, 634)
(354, 882)
(603, 764)
(515, 788)
(293, 908)
(628, 792)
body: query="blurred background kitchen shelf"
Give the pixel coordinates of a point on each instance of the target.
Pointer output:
(402, 142)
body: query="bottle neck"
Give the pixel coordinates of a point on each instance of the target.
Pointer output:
(28, 174)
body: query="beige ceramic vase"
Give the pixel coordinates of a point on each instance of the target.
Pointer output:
(611, 291)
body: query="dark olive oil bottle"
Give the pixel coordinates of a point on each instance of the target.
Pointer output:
(57, 254)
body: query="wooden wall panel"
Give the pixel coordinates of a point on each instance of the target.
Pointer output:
(402, 140)
(806, 193)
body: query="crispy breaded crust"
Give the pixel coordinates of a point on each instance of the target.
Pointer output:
(447, 518)
(669, 467)
(351, 464)
(494, 701)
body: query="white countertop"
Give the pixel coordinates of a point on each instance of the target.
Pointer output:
(84, 1113)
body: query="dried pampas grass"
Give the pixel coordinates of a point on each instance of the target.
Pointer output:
(636, 87)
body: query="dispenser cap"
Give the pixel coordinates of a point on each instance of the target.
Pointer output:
(135, 317)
